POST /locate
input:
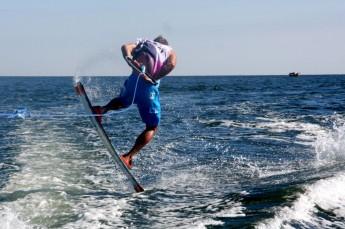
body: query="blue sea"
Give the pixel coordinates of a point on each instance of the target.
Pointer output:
(231, 152)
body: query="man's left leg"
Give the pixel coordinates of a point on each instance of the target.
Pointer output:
(143, 139)
(149, 109)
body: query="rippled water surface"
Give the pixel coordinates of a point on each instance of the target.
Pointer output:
(231, 152)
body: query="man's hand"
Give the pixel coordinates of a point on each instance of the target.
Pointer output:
(130, 61)
(148, 79)
(127, 49)
(136, 67)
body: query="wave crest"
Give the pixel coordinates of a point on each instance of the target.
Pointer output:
(329, 145)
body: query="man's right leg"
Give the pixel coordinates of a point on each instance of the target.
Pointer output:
(114, 104)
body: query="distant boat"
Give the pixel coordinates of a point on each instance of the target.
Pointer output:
(294, 74)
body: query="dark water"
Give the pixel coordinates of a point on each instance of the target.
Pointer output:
(231, 152)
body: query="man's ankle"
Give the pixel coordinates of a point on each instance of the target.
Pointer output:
(103, 109)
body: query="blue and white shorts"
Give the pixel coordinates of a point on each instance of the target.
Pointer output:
(146, 98)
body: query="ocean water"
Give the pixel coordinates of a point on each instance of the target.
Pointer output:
(231, 152)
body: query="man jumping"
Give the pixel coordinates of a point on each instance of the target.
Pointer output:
(157, 59)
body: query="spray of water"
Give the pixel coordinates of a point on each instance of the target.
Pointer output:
(81, 75)
(24, 113)
(329, 146)
(89, 64)
(326, 194)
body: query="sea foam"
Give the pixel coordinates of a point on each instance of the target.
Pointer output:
(329, 146)
(325, 195)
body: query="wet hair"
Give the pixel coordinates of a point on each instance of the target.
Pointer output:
(161, 39)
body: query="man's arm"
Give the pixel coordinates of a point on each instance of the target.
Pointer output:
(127, 52)
(168, 66)
(127, 49)
(136, 67)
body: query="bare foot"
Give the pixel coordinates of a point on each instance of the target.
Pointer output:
(98, 111)
(127, 160)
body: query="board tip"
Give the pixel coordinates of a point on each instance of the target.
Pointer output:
(138, 188)
(79, 88)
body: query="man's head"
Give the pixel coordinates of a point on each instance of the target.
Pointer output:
(161, 39)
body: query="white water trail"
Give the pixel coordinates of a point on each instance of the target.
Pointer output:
(330, 146)
(10, 219)
(326, 195)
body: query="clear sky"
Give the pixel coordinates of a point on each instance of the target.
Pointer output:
(211, 37)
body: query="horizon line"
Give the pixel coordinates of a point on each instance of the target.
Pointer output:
(217, 75)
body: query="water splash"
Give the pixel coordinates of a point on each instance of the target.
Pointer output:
(329, 146)
(304, 210)
(90, 63)
(25, 113)
(10, 219)
(21, 113)
(76, 77)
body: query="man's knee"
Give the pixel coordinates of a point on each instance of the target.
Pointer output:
(114, 104)
(150, 127)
